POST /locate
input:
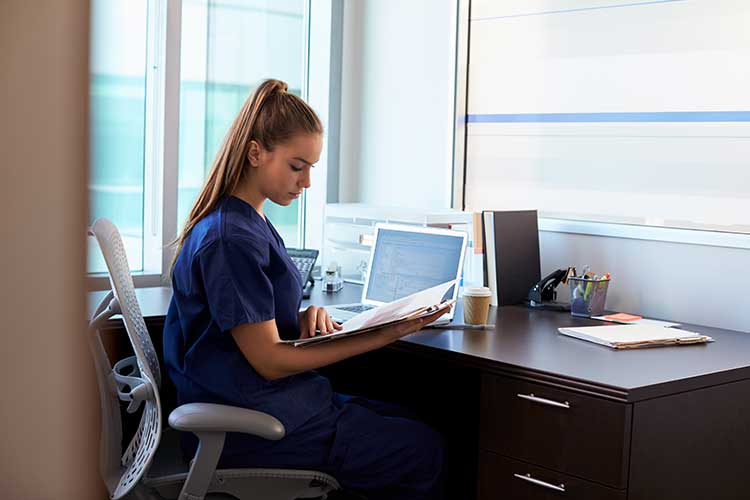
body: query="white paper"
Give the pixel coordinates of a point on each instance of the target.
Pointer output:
(398, 309)
(654, 322)
(627, 334)
(387, 313)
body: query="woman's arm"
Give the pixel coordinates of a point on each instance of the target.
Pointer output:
(261, 345)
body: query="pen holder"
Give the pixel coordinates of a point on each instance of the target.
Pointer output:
(587, 296)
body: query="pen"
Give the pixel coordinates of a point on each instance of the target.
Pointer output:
(462, 327)
(587, 291)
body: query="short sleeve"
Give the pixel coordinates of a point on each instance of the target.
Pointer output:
(237, 289)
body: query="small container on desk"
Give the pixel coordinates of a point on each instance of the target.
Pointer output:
(332, 280)
(587, 296)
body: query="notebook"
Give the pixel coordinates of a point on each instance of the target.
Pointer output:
(632, 336)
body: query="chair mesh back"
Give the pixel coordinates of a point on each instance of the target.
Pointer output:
(139, 454)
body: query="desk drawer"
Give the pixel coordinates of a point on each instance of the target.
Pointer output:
(565, 431)
(501, 478)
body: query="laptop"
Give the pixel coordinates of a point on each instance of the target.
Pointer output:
(405, 260)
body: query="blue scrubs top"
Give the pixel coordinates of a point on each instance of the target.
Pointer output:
(234, 269)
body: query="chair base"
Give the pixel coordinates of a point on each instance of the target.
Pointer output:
(169, 471)
(249, 484)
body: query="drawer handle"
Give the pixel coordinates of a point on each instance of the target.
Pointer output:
(539, 482)
(544, 401)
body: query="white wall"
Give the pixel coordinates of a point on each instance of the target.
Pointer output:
(698, 284)
(398, 83)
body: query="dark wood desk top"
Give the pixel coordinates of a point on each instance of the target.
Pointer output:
(526, 344)
(154, 301)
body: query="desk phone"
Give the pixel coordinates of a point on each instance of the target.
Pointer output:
(304, 259)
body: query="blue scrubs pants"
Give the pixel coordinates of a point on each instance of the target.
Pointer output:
(373, 448)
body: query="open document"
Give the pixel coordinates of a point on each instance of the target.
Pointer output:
(413, 306)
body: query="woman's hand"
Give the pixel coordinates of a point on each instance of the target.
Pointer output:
(316, 318)
(402, 329)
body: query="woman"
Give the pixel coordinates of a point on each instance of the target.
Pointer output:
(237, 294)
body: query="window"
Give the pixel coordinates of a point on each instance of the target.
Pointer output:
(119, 38)
(589, 113)
(227, 48)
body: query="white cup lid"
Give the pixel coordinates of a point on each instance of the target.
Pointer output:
(477, 291)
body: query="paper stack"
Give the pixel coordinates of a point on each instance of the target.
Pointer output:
(633, 336)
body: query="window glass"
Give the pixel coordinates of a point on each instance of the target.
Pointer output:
(118, 114)
(589, 112)
(228, 47)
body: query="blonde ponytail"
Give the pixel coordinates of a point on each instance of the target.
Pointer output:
(270, 116)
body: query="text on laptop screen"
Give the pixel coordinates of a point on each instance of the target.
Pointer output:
(406, 262)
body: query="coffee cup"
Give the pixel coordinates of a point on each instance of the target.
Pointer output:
(476, 304)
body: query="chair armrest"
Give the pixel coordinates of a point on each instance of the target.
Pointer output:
(209, 417)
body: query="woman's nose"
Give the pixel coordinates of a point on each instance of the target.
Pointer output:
(304, 180)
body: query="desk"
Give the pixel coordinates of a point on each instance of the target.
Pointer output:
(663, 423)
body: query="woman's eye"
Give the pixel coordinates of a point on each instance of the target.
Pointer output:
(295, 168)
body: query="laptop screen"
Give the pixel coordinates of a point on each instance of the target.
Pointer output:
(408, 261)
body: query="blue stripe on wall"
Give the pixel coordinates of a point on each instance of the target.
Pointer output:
(565, 11)
(655, 116)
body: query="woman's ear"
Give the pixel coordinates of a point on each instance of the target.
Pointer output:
(253, 154)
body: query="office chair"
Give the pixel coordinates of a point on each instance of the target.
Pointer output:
(152, 467)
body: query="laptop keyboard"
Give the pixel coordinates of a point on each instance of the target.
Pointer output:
(357, 308)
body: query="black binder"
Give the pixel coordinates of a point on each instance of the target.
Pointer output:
(511, 253)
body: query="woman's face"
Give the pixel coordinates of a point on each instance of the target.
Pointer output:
(283, 173)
